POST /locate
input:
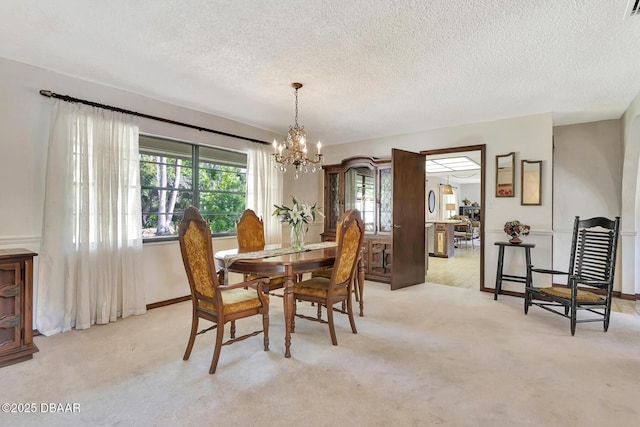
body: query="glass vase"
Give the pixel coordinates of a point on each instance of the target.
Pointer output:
(297, 236)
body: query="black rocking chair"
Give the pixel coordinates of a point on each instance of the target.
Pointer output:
(592, 265)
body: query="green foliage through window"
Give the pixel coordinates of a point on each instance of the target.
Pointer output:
(176, 175)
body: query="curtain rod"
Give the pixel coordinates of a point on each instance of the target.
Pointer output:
(68, 98)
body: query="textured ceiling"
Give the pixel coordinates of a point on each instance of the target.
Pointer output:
(370, 68)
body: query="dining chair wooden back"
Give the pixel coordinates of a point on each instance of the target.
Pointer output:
(357, 290)
(210, 300)
(250, 232)
(250, 236)
(339, 287)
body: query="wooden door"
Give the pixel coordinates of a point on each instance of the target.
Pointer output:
(408, 240)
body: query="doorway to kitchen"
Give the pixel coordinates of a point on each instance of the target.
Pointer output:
(455, 196)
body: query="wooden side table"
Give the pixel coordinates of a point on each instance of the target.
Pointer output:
(500, 277)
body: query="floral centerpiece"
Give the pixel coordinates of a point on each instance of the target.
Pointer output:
(515, 229)
(298, 216)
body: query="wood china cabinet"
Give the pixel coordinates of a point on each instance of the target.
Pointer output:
(16, 295)
(363, 183)
(389, 193)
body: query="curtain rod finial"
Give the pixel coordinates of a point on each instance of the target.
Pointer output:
(47, 93)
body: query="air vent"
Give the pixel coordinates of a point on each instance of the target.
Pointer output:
(633, 9)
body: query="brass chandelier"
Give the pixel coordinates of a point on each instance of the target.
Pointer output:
(293, 150)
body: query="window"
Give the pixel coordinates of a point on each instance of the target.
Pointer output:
(175, 175)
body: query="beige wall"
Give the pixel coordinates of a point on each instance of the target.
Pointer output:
(631, 199)
(309, 188)
(588, 160)
(587, 157)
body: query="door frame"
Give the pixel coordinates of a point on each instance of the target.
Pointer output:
(483, 172)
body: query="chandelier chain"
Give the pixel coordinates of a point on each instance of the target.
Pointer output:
(296, 125)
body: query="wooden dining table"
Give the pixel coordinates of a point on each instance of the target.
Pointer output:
(314, 257)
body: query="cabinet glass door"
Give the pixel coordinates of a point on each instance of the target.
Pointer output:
(360, 194)
(386, 201)
(333, 200)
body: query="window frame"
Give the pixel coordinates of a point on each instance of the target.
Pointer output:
(198, 154)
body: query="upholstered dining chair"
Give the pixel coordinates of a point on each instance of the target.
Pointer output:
(212, 301)
(357, 290)
(339, 287)
(589, 278)
(250, 235)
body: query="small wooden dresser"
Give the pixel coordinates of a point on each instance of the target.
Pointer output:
(16, 298)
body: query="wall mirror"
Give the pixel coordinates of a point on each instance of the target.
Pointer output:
(505, 175)
(531, 182)
(432, 201)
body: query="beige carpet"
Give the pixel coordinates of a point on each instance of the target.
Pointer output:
(426, 355)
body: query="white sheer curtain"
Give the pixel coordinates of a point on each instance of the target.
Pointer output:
(90, 258)
(264, 189)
